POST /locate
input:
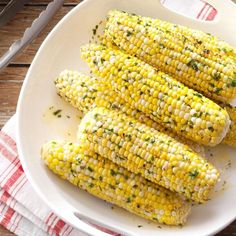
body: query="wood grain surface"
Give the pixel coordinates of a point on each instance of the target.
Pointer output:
(11, 77)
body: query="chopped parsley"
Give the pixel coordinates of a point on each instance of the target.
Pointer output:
(112, 172)
(206, 51)
(218, 90)
(129, 33)
(95, 30)
(128, 200)
(57, 112)
(232, 82)
(91, 185)
(129, 136)
(216, 76)
(109, 131)
(161, 45)
(193, 63)
(112, 186)
(152, 141)
(193, 174)
(198, 95)
(211, 128)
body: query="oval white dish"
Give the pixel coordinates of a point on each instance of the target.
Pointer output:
(36, 124)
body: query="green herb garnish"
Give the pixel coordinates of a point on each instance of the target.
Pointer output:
(57, 112)
(112, 172)
(232, 82)
(193, 63)
(193, 174)
(216, 76)
(211, 128)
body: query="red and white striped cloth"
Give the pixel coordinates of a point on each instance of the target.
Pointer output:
(21, 210)
(198, 9)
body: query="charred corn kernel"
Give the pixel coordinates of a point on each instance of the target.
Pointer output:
(108, 181)
(158, 95)
(195, 58)
(87, 92)
(143, 150)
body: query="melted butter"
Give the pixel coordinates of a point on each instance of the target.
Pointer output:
(62, 122)
(48, 115)
(223, 158)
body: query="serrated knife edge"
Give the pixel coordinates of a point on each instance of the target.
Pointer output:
(31, 32)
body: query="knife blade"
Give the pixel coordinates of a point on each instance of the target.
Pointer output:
(31, 32)
(10, 10)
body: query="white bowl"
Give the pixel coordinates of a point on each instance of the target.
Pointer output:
(61, 50)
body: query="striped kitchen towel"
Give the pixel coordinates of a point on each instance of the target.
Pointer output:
(197, 9)
(21, 210)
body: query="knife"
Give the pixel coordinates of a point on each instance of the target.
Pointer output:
(32, 32)
(10, 10)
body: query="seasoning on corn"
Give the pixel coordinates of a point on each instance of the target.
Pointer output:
(193, 57)
(87, 92)
(159, 96)
(108, 181)
(143, 150)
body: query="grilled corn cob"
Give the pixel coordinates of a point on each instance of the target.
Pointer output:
(112, 183)
(143, 150)
(87, 92)
(160, 97)
(195, 58)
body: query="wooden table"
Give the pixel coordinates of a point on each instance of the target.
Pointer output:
(11, 78)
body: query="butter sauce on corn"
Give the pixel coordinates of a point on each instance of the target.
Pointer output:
(195, 58)
(108, 181)
(158, 95)
(87, 92)
(143, 150)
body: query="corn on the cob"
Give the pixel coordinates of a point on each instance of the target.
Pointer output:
(230, 138)
(195, 58)
(144, 150)
(108, 181)
(87, 92)
(159, 96)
